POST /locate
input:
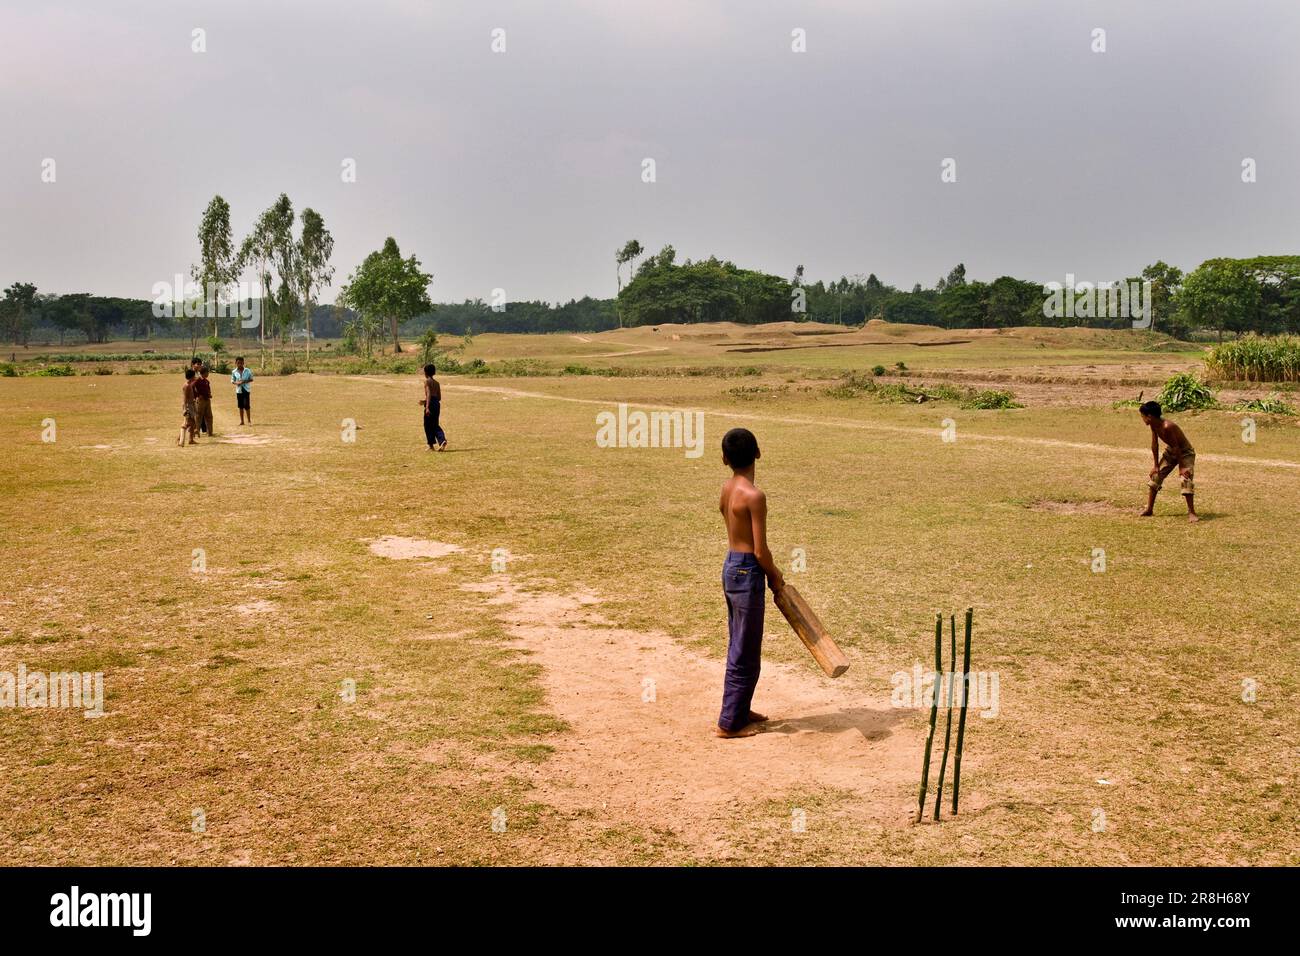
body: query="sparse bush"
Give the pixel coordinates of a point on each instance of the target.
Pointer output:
(53, 371)
(288, 366)
(853, 384)
(878, 370)
(1271, 405)
(758, 391)
(991, 398)
(7, 370)
(103, 370)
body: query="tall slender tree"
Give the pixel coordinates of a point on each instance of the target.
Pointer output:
(217, 260)
(630, 252)
(315, 247)
(284, 259)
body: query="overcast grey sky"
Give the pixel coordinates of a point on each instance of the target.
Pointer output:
(522, 170)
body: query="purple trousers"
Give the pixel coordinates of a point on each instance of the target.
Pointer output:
(743, 584)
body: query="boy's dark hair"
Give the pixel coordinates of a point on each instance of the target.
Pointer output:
(189, 374)
(196, 361)
(1150, 409)
(739, 448)
(205, 369)
(239, 358)
(429, 369)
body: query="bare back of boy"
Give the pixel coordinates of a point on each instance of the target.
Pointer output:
(739, 497)
(1173, 437)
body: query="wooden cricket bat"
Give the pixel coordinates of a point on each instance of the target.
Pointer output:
(810, 631)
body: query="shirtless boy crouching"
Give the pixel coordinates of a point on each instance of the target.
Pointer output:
(747, 568)
(1178, 454)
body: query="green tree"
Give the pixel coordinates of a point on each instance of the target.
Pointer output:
(630, 252)
(389, 287)
(279, 220)
(1012, 302)
(217, 260)
(962, 305)
(1165, 282)
(314, 249)
(1221, 294)
(18, 308)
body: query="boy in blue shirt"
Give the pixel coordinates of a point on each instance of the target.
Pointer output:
(242, 379)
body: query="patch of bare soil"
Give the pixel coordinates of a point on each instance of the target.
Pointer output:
(1080, 508)
(245, 440)
(259, 606)
(405, 549)
(642, 710)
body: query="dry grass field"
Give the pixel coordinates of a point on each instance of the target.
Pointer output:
(543, 688)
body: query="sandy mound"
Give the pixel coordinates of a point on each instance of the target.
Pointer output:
(392, 546)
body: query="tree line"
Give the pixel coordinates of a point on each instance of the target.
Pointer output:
(387, 295)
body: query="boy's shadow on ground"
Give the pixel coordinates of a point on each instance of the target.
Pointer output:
(871, 723)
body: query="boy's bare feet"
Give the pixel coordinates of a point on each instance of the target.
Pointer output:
(749, 730)
(756, 718)
(1193, 517)
(1145, 514)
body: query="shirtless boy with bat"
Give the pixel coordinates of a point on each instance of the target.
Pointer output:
(747, 569)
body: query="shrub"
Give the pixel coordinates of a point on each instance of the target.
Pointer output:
(757, 391)
(1272, 405)
(991, 398)
(1185, 392)
(53, 371)
(288, 367)
(103, 370)
(514, 368)
(136, 370)
(878, 370)
(7, 370)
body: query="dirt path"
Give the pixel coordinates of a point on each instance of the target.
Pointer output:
(877, 427)
(641, 709)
